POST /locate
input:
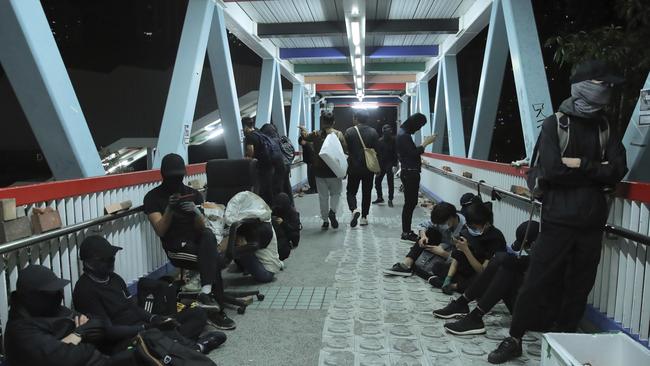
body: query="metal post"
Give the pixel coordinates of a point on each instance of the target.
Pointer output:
(305, 114)
(455, 130)
(277, 113)
(177, 120)
(424, 108)
(636, 141)
(528, 68)
(296, 107)
(489, 91)
(34, 67)
(317, 116)
(224, 85)
(439, 113)
(265, 92)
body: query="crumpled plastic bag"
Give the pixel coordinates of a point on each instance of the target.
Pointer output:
(247, 205)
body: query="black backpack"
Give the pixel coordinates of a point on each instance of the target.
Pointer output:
(269, 150)
(157, 296)
(288, 150)
(154, 348)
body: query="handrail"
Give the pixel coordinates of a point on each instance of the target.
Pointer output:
(609, 228)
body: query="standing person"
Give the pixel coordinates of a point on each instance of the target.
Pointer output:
(329, 185)
(387, 155)
(259, 146)
(281, 166)
(358, 173)
(574, 213)
(308, 157)
(409, 159)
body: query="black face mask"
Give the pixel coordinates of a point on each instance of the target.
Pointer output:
(100, 268)
(42, 304)
(173, 184)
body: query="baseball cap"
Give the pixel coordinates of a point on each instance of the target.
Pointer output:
(595, 70)
(521, 234)
(467, 199)
(98, 247)
(38, 278)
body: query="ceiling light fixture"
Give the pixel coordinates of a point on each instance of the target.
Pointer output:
(356, 32)
(357, 50)
(357, 65)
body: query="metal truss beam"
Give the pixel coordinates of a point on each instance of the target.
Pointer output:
(277, 113)
(265, 95)
(454, 113)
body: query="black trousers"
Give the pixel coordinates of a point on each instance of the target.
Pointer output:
(565, 258)
(311, 178)
(500, 280)
(391, 183)
(265, 183)
(286, 183)
(366, 192)
(411, 183)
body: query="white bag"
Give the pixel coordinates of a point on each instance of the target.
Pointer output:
(247, 205)
(332, 154)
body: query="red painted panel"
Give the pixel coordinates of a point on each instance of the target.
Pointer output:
(334, 87)
(387, 86)
(68, 188)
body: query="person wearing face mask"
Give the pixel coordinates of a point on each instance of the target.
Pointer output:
(473, 249)
(103, 294)
(445, 221)
(575, 179)
(41, 331)
(173, 211)
(387, 155)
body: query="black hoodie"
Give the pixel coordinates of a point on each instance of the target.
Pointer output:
(408, 153)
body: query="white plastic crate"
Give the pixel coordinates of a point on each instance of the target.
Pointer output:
(607, 349)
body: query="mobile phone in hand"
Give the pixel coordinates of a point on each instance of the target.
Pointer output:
(186, 197)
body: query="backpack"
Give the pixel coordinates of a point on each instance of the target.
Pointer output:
(270, 150)
(157, 296)
(154, 348)
(535, 175)
(288, 150)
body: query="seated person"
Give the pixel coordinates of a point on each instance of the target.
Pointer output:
(41, 331)
(466, 200)
(500, 280)
(448, 223)
(265, 262)
(286, 224)
(173, 211)
(476, 245)
(102, 293)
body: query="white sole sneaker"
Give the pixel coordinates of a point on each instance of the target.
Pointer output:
(355, 218)
(467, 332)
(395, 273)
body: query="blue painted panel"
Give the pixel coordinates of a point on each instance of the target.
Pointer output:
(402, 51)
(318, 52)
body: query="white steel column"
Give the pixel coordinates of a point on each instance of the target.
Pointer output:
(403, 109)
(454, 115)
(439, 113)
(265, 92)
(424, 108)
(317, 116)
(277, 113)
(296, 107)
(636, 141)
(177, 120)
(34, 67)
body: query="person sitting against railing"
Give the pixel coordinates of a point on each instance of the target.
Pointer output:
(102, 293)
(466, 200)
(41, 331)
(474, 248)
(500, 280)
(173, 211)
(445, 224)
(286, 224)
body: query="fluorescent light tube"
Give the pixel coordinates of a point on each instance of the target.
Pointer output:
(356, 32)
(357, 65)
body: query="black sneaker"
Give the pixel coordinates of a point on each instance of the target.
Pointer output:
(467, 325)
(409, 237)
(220, 320)
(399, 269)
(355, 218)
(325, 226)
(435, 281)
(454, 309)
(378, 201)
(390, 203)
(333, 220)
(210, 341)
(207, 301)
(509, 349)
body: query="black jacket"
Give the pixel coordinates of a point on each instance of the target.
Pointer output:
(408, 153)
(574, 197)
(387, 152)
(356, 158)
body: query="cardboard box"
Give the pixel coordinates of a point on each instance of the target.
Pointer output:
(21, 211)
(7, 209)
(15, 229)
(117, 207)
(447, 169)
(606, 349)
(45, 219)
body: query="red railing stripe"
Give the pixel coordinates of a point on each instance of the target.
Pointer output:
(635, 191)
(42, 192)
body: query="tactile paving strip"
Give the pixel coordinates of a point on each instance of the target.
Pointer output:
(295, 298)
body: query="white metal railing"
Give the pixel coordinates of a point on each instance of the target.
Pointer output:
(622, 288)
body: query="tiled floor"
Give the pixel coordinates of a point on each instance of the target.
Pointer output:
(295, 298)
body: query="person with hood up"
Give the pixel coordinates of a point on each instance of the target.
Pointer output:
(173, 211)
(41, 331)
(575, 180)
(387, 155)
(328, 184)
(410, 161)
(287, 226)
(102, 293)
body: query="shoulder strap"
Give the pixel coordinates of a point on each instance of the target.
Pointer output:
(360, 138)
(563, 131)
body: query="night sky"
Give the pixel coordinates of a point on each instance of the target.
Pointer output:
(139, 38)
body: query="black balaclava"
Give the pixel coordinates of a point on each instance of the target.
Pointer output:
(41, 304)
(414, 123)
(99, 269)
(172, 170)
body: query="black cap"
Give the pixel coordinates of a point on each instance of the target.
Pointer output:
(467, 199)
(595, 70)
(521, 233)
(172, 165)
(96, 246)
(38, 278)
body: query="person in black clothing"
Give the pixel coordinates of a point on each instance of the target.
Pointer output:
(254, 149)
(466, 200)
(410, 161)
(102, 293)
(281, 168)
(474, 248)
(173, 211)
(309, 156)
(287, 226)
(387, 155)
(358, 173)
(500, 280)
(574, 211)
(41, 331)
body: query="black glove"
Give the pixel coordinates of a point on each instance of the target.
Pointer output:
(92, 331)
(187, 207)
(173, 201)
(162, 323)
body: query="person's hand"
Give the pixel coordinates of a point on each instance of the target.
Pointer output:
(423, 241)
(187, 207)
(80, 320)
(173, 201)
(572, 162)
(461, 244)
(91, 330)
(435, 249)
(279, 220)
(163, 323)
(429, 140)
